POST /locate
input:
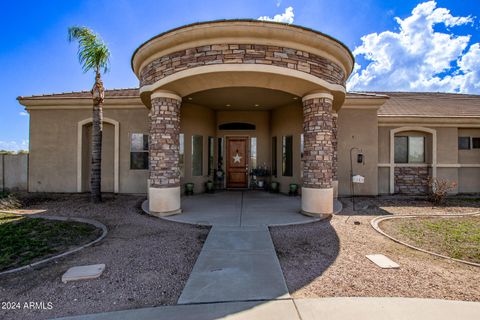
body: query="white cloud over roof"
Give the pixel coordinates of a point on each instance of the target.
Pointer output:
(419, 57)
(286, 17)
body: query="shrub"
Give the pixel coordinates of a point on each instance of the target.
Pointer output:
(438, 189)
(9, 201)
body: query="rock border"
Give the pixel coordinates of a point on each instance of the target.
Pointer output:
(376, 221)
(60, 218)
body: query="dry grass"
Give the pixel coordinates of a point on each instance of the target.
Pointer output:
(458, 237)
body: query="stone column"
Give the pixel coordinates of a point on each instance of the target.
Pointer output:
(317, 189)
(164, 182)
(335, 154)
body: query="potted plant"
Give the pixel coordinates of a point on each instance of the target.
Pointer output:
(189, 188)
(274, 186)
(293, 189)
(209, 186)
(260, 172)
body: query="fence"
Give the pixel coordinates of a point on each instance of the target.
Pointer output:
(13, 172)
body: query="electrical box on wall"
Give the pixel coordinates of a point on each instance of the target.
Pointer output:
(358, 179)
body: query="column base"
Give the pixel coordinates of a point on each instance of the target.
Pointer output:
(317, 202)
(164, 201)
(335, 188)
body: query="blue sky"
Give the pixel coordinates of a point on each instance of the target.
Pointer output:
(399, 45)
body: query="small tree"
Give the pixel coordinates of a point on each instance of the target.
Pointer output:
(93, 54)
(438, 189)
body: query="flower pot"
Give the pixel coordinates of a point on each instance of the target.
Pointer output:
(274, 186)
(293, 189)
(189, 188)
(260, 183)
(209, 186)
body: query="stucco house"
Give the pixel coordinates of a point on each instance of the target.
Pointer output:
(234, 95)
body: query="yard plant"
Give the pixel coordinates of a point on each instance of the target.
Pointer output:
(93, 54)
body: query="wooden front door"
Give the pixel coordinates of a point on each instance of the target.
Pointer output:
(237, 162)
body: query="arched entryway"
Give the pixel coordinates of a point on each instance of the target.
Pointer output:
(110, 155)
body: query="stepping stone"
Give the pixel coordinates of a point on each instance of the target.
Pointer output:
(382, 261)
(83, 272)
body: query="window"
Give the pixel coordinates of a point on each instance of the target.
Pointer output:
(464, 143)
(302, 146)
(475, 143)
(409, 149)
(274, 156)
(237, 126)
(211, 154)
(197, 155)
(181, 154)
(287, 156)
(253, 152)
(220, 154)
(139, 151)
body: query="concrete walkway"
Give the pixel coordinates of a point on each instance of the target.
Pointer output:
(236, 264)
(306, 309)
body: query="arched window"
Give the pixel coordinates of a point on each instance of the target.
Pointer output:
(237, 126)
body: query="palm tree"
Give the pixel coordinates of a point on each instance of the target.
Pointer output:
(93, 54)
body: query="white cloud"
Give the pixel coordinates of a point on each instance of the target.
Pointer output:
(419, 58)
(23, 113)
(14, 145)
(286, 17)
(278, 3)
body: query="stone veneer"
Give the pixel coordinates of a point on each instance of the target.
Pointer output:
(411, 180)
(242, 54)
(318, 147)
(164, 143)
(335, 146)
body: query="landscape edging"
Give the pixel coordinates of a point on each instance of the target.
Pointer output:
(376, 221)
(60, 218)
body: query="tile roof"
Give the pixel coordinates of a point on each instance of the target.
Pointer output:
(109, 93)
(418, 104)
(426, 104)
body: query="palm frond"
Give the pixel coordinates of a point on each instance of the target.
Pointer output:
(92, 52)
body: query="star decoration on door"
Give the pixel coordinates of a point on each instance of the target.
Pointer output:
(237, 158)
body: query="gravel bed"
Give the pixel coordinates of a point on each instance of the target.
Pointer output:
(148, 261)
(327, 258)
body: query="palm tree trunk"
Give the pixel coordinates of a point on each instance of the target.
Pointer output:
(98, 93)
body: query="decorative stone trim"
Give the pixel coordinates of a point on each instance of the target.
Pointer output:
(164, 142)
(242, 54)
(411, 180)
(318, 147)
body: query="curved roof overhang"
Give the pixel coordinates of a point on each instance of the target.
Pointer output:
(243, 31)
(208, 77)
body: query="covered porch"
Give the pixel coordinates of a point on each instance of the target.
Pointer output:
(242, 209)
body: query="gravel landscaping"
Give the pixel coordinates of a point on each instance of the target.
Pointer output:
(148, 261)
(327, 258)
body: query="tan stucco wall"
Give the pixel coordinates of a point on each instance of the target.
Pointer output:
(383, 180)
(469, 180)
(471, 156)
(358, 128)
(13, 172)
(287, 121)
(53, 148)
(196, 120)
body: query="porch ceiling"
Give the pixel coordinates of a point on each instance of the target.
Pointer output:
(242, 98)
